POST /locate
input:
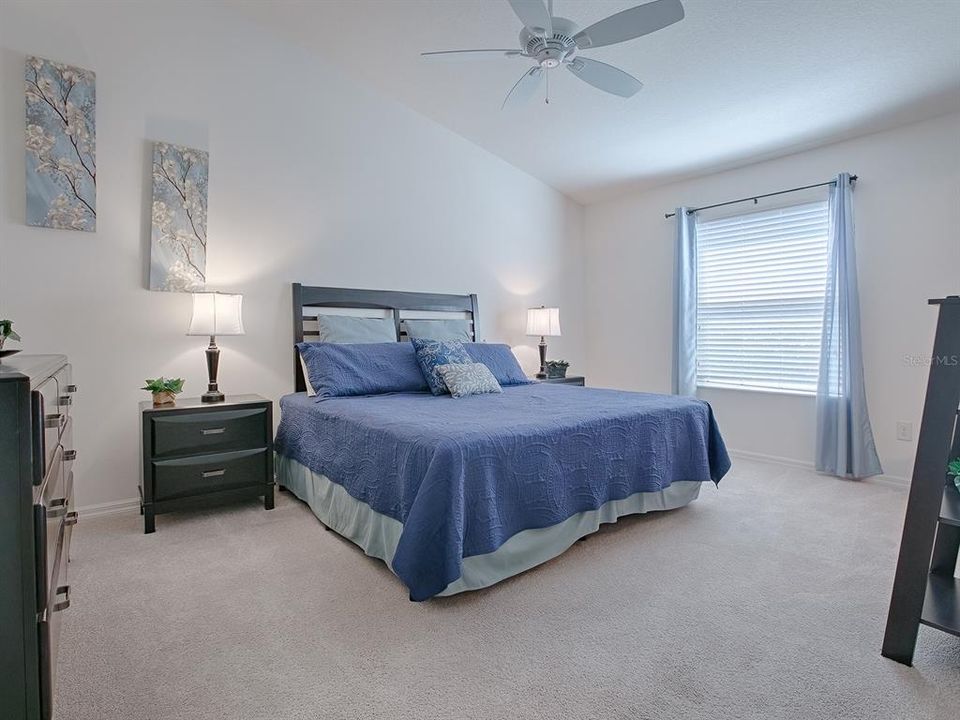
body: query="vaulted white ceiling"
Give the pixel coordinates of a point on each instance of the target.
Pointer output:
(735, 81)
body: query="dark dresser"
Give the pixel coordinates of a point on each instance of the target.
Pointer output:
(196, 453)
(36, 519)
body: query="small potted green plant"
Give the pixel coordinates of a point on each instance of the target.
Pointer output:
(557, 368)
(953, 469)
(164, 390)
(7, 331)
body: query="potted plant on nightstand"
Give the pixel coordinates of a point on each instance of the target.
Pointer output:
(953, 469)
(7, 331)
(164, 390)
(557, 368)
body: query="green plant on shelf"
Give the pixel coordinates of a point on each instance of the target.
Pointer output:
(953, 469)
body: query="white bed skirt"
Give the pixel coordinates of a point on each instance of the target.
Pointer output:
(378, 534)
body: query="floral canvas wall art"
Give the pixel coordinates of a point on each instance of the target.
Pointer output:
(61, 145)
(178, 240)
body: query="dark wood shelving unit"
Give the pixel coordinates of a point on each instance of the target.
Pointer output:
(925, 589)
(950, 507)
(941, 604)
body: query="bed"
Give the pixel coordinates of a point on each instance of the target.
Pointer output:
(458, 494)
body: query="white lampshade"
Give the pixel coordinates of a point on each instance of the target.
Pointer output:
(216, 314)
(543, 321)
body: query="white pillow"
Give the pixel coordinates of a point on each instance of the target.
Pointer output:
(306, 377)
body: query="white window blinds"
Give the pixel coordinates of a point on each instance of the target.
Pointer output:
(761, 279)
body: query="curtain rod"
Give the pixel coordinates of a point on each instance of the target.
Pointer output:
(853, 178)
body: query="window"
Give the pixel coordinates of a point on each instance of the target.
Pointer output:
(761, 280)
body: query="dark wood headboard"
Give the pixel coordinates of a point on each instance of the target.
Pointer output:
(400, 304)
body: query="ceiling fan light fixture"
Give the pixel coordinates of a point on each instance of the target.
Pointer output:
(554, 41)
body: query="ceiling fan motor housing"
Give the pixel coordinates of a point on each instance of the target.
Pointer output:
(551, 52)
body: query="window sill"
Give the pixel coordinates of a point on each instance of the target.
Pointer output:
(762, 391)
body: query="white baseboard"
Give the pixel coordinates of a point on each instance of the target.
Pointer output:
(892, 480)
(110, 508)
(775, 459)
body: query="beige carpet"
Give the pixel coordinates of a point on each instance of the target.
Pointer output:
(765, 598)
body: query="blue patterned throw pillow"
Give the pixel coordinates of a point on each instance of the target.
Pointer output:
(501, 361)
(432, 353)
(472, 379)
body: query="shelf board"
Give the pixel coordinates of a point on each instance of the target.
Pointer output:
(941, 606)
(950, 508)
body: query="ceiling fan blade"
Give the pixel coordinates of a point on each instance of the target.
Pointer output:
(630, 24)
(605, 77)
(455, 55)
(524, 89)
(534, 16)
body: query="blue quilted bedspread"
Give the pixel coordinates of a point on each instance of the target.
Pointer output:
(464, 475)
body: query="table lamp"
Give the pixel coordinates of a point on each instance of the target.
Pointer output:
(215, 313)
(543, 321)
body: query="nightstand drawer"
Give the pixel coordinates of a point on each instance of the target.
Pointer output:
(209, 473)
(204, 432)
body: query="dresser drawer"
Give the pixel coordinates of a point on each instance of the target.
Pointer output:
(209, 473)
(48, 512)
(206, 432)
(58, 600)
(48, 424)
(65, 391)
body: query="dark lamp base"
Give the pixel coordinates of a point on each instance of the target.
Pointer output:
(542, 347)
(213, 394)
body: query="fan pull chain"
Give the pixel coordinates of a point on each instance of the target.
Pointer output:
(547, 98)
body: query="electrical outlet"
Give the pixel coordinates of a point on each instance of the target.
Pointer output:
(905, 431)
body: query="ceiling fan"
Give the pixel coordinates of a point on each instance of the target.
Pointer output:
(554, 41)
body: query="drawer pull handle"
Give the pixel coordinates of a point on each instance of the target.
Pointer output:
(214, 473)
(64, 400)
(71, 518)
(57, 508)
(71, 388)
(213, 431)
(65, 603)
(70, 455)
(52, 420)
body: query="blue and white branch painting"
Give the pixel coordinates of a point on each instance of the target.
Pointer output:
(178, 238)
(61, 145)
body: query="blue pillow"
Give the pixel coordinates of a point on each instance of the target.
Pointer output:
(349, 329)
(341, 369)
(433, 353)
(499, 358)
(438, 329)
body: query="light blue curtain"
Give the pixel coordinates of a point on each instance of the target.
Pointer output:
(685, 305)
(845, 445)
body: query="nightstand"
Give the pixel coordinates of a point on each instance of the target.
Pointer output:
(197, 453)
(568, 380)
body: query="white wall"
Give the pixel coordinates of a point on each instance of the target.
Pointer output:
(907, 213)
(312, 179)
